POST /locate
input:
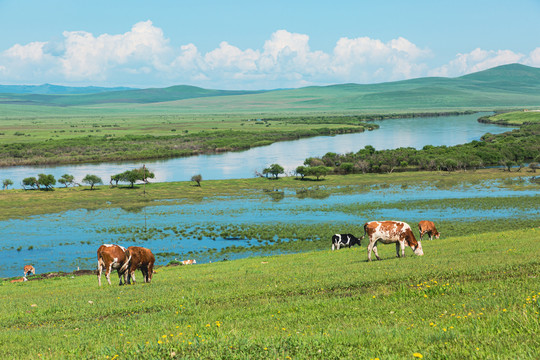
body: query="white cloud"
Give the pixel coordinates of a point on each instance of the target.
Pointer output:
(477, 60)
(144, 56)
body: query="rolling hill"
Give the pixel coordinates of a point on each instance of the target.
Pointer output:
(505, 86)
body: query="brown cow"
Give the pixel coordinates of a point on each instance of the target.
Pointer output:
(23, 279)
(428, 227)
(389, 232)
(141, 258)
(29, 269)
(112, 257)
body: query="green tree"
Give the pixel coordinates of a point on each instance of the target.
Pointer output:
(6, 183)
(132, 176)
(92, 180)
(301, 170)
(274, 170)
(30, 182)
(319, 171)
(46, 180)
(66, 180)
(197, 178)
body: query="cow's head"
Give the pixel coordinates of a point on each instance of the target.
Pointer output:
(437, 235)
(416, 246)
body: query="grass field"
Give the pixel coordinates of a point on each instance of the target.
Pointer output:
(467, 297)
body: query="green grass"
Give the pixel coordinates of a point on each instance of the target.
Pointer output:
(472, 296)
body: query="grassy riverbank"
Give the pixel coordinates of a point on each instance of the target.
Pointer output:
(23, 203)
(472, 296)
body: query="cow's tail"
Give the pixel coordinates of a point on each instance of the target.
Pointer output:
(126, 263)
(365, 232)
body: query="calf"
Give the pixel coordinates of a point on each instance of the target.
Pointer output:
(389, 232)
(29, 269)
(112, 257)
(141, 258)
(23, 279)
(342, 240)
(428, 227)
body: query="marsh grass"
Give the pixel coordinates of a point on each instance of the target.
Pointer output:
(473, 296)
(21, 203)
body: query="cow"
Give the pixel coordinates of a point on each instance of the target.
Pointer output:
(29, 269)
(426, 226)
(112, 257)
(23, 279)
(188, 262)
(342, 240)
(389, 232)
(141, 258)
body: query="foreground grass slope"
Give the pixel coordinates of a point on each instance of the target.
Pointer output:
(468, 297)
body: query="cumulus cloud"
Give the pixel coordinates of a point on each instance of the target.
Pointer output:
(477, 60)
(143, 56)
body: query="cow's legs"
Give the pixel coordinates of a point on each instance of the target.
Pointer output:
(430, 235)
(333, 246)
(369, 249)
(376, 252)
(400, 245)
(108, 273)
(99, 273)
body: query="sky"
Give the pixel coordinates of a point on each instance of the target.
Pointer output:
(254, 45)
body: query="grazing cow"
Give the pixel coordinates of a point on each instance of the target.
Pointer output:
(29, 269)
(112, 257)
(389, 232)
(428, 227)
(188, 262)
(342, 240)
(141, 258)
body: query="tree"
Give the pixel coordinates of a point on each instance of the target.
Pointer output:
(132, 176)
(274, 169)
(301, 170)
(197, 178)
(30, 182)
(46, 180)
(116, 178)
(92, 180)
(319, 171)
(66, 180)
(6, 183)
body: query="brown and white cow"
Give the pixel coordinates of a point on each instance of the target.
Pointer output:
(112, 257)
(389, 232)
(189, 262)
(141, 258)
(29, 269)
(426, 226)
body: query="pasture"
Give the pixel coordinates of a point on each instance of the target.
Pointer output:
(473, 296)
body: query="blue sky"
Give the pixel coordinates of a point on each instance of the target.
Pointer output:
(259, 45)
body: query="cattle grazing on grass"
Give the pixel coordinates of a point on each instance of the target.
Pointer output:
(188, 262)
(426, 226)
(29, 269)
(143, 259)
(112, 257)
(342, 240)
(389, 232)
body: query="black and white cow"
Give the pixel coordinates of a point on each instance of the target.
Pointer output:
(342, 240)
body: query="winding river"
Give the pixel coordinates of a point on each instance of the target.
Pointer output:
(413, 132)
(68, 240)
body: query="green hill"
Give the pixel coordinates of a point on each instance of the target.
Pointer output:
(507, 86)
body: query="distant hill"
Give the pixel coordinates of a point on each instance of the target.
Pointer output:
(48, 89)
(505, 86)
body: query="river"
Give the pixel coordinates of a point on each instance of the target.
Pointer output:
(392, 134)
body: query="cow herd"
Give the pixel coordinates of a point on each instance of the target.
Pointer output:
(388, 232)
(127, 261)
